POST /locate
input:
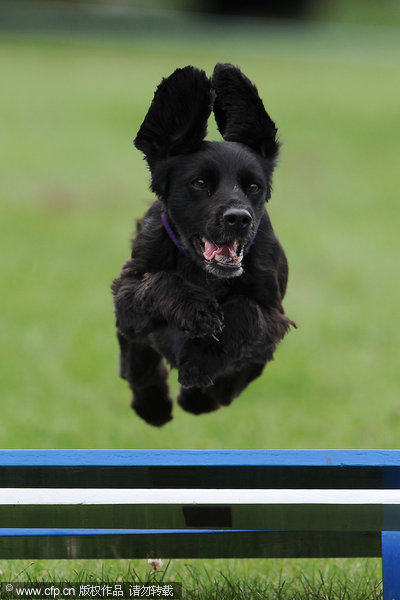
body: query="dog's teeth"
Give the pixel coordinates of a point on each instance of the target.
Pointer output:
(227, 260)
(223, 258)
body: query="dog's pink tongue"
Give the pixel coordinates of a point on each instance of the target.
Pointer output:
(211, 250)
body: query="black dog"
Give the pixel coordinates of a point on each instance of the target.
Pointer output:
(205, 283)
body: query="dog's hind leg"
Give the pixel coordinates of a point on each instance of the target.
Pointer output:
(224, 390)
(147, 375)
(227, 387)
(197, 400)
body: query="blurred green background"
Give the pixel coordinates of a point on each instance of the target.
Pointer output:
(76, 81)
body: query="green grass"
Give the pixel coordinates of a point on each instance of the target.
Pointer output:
(71, 185)
(335, 579)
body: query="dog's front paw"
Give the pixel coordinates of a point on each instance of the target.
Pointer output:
(202, 319)
(201, 361)
(206, 323)
(193, 375)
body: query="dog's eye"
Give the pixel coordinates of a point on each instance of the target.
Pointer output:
(199, 184)
(254, 188)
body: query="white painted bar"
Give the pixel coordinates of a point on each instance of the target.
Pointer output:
(80, 496)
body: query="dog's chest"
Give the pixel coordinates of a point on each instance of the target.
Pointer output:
(224, 289)
(219, 288)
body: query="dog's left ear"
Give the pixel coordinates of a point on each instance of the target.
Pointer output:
(176, 122)
(240, 113)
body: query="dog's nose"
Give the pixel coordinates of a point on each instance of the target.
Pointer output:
(237, 219)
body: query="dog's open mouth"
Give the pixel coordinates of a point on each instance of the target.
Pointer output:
(228, 255)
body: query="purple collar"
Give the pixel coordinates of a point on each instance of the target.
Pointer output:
(171, 234)
(177, 243)
(251, 242)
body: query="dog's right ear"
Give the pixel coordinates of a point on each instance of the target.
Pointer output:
(176, 122)
(240, 113)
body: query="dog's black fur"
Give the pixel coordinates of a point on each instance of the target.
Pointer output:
(208, 296)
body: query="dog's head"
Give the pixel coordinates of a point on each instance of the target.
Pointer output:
(213, 192)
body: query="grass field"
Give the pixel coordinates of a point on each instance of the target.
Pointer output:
(71, 185)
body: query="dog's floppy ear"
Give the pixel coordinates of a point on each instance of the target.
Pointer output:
(176, 122)
(240, 113)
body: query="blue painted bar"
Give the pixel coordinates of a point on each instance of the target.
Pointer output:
(208, 543)
(373, 469)
(391, 565)
(40, 531)
(182, 458)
